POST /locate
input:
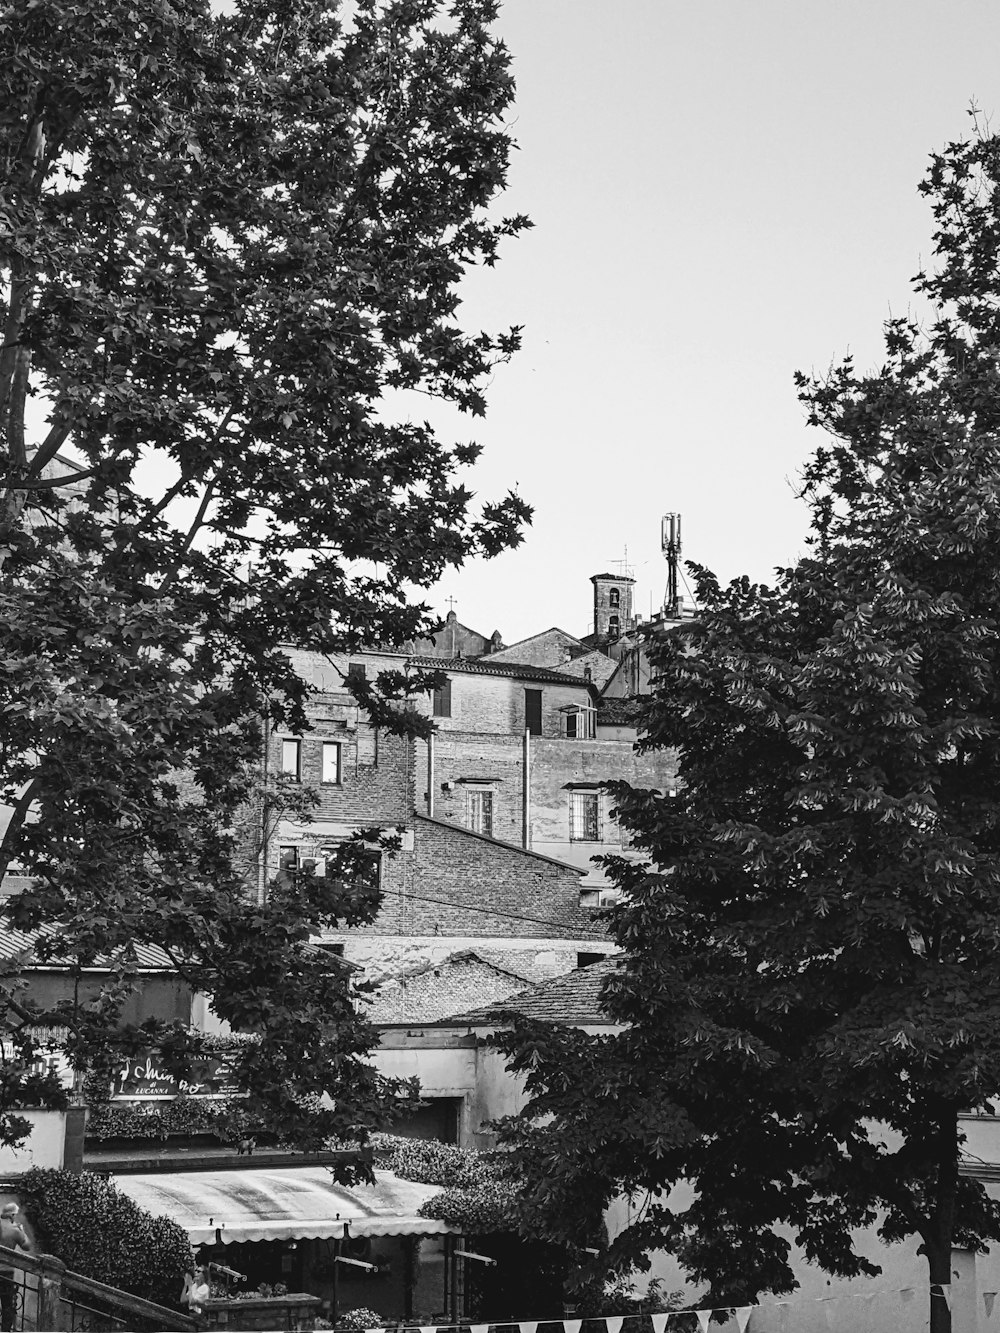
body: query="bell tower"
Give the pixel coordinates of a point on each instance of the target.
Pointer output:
(613, 616)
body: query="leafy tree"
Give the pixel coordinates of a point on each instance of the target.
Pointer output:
(810, 988)
(225, 238)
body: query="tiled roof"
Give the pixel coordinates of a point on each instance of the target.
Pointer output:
(618, 712)
(573, 999)
(20, 944)
(482, 666)
(432, 990)
(499, 842)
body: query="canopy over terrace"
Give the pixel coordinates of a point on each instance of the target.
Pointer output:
(282, 1203)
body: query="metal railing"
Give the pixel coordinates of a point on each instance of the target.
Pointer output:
(41, 1295)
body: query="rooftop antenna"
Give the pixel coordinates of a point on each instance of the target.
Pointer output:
(670, 542)
(625, 570)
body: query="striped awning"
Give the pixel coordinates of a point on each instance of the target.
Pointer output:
(282, 1203)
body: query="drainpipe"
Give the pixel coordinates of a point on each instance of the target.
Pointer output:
(430, 776)
(264, 830)
(526, 792)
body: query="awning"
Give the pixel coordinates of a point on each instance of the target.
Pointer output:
(282, 1203)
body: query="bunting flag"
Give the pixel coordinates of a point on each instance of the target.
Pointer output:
(988, 1298)
(741, 1313)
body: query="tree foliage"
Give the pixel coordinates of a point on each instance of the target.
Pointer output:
(225, 238)
(101, 1233)
(810, 987)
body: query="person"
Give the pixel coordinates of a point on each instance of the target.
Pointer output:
(196, 1289)
(14, 1238)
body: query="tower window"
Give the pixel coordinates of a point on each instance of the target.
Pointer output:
(614, 627)
(615, 597)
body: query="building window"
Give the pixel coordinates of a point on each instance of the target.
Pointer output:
(331, 762)
(614, 627)
(589, 959)
(479, 811)
(357, 671)
(533, 711)
(579, 723)
(291, 759)
(288, 859)
(584, 816)
(442, 700)
(614, 597)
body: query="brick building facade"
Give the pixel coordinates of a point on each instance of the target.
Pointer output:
(499, 814)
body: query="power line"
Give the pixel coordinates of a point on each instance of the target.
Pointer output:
(489, 911)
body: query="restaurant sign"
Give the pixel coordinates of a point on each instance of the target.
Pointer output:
(144, 1077)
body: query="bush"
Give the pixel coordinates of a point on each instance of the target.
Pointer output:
(227, 1120)
(481, 1188)
(99, 1232)
(360, 1319)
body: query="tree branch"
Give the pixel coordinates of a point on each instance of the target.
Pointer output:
(193, 531)
(17, 819)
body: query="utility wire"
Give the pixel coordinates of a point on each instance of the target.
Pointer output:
(488, 911)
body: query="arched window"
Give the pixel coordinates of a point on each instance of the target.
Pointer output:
(615, 597)
(614, 627)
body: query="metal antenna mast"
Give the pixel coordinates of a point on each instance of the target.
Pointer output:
(670, 542)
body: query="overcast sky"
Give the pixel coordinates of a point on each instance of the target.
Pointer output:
(723, 191)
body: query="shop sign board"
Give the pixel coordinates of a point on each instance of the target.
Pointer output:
(143, 1077)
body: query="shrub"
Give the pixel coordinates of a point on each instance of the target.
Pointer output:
(99, 1232)
(360, 1319)
(227, 1120)
(481, 1188)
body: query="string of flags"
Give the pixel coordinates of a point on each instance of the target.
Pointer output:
(661, 1321)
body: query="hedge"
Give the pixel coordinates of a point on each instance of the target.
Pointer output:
(99, 1232)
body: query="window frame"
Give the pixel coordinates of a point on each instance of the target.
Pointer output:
(483, 798)
(580, 715)
(294, 773)
(284, 848)
(536, 695)
(441, 700)
(584, 814)
(338, 748)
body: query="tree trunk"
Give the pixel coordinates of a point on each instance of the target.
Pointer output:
(939, 1265)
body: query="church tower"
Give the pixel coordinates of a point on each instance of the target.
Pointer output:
(613, 616)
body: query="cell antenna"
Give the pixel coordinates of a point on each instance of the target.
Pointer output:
(670, 542)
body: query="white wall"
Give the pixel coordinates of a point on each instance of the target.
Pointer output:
(44, 1146)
